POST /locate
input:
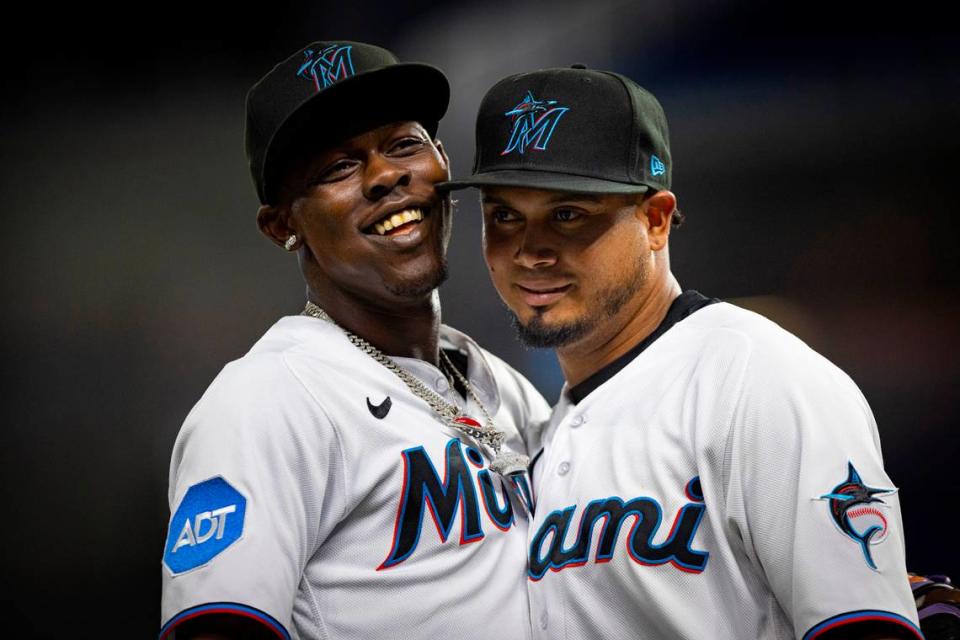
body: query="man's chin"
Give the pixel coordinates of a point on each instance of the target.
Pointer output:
(539, 334)
(421, 285)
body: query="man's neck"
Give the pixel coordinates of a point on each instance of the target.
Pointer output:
(614, 338)
(410, 330)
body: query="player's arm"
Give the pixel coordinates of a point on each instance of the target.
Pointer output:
(256, 486)
(819, 517)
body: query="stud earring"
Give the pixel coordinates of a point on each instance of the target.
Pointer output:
(292, 240)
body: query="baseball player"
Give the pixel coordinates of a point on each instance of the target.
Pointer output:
(705, 474)
(360, 473)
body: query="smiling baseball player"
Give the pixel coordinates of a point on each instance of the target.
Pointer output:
(705, 474)
(322, 488)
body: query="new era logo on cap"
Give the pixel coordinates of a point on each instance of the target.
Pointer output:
(533, 123)
(657, 167)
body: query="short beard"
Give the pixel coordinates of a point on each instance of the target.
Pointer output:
(537, 335)
(423, 285)
(608, 303)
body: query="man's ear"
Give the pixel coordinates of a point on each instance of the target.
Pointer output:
(275, 223)
(658, 210)
(443, 156)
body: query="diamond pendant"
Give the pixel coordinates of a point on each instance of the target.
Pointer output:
(507, 463)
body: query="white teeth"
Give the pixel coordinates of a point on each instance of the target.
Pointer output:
(397, 219)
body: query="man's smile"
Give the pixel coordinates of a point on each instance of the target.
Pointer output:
(399, 223)
(541, 294)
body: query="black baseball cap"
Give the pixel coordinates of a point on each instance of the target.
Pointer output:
(328, 92)
(576, 129)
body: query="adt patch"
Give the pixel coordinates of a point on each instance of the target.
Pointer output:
(208, 520)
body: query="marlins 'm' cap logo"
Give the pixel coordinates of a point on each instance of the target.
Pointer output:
(858, 512)
(327, 66)
(533, 123)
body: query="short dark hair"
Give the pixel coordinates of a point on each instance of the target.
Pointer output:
(677, 219)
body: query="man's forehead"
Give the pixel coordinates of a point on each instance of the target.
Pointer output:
(370, 136)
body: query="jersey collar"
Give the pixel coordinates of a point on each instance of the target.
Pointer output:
(685, 304)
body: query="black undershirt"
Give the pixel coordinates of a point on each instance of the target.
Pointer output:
(459, 360)
(684, 305)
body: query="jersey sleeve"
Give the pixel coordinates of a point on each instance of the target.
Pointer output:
(807, 493)
(256, 485)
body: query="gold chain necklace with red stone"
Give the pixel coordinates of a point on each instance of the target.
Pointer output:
(505, 462)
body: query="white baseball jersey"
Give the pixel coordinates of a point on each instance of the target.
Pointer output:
(726, 483)
(311, 490)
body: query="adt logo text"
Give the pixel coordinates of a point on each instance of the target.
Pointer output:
(533, 123)
(327, 66)
(208, 520)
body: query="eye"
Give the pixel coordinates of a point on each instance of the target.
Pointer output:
(566, 215)
(336, 170)
(407, 145)
(501, 215)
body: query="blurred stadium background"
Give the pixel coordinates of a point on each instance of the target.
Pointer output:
(815, 149)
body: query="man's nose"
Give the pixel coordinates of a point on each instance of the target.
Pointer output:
(535, 250)
(382, 175)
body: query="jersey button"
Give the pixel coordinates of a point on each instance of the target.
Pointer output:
(442, 385)
(543, 620)
(577, 421)
(564, 468)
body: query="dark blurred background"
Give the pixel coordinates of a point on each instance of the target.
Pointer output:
(815, 148)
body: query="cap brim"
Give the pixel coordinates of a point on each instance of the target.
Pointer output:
(543, 180)
(395, 93)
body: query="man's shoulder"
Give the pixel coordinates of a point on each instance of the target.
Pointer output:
(748, 329)
(289, 337)
(769, 352)
(270, 370)
(262, 395)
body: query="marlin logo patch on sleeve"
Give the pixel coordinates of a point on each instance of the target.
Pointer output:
(858, 512)
(533, 123)
(208, 520)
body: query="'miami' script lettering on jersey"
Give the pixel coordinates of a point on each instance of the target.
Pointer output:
(646, 513)
(456, 493)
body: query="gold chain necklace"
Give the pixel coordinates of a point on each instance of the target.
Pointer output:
(505, 462)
